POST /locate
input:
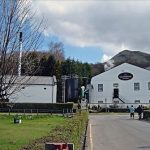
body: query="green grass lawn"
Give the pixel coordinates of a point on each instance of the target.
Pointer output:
(14, 136)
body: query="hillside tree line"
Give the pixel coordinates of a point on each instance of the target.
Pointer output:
(53, 62)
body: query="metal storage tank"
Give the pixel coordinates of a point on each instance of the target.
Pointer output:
(71, 90)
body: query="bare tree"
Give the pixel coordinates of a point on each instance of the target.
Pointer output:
(18, 31)
(57, 50)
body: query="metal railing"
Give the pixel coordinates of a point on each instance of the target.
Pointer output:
(37, 111)
(118, 105)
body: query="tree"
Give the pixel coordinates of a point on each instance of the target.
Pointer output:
(66, 67)
(43, 62)
(31, 64)
(58, 70)
(49, 68)
(56, 49)
(18, 30)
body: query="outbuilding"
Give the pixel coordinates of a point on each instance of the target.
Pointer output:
(35, 89)
(123, 85)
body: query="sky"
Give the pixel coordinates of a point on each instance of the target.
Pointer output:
(95, 30)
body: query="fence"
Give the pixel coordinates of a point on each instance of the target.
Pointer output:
(37, 111)
(118, 105)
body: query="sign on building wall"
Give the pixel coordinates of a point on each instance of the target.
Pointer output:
(125, 76)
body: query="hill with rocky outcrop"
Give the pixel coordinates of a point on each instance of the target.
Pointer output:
(136, 58)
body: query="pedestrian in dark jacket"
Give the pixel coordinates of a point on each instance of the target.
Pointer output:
(139, 111)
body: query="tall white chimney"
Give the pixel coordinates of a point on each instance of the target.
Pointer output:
(20, 54)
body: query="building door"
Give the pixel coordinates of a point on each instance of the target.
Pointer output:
(116, 93)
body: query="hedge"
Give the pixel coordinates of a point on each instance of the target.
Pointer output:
(146, 114)
(40, 107)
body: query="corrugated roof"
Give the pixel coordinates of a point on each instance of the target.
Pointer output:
(34, 80)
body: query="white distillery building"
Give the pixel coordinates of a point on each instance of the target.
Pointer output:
(35, 89)
(124, 84)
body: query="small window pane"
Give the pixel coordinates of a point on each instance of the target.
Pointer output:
(137, 101)
(100, 87)
(115, 84)
(116, 102)
(136, 86)
(100, 102)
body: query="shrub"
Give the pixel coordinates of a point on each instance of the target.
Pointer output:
(146, 115)
(41, 107)
(94, 107)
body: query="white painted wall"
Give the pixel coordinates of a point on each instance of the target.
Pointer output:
(39, 90)
(126, 87)
(36, 94)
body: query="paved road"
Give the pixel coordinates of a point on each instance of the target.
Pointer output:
(117, 132)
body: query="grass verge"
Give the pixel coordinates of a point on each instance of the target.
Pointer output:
(36, 130)
(70, 132)
(13, 136)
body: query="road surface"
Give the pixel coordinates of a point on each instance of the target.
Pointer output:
(117, 132)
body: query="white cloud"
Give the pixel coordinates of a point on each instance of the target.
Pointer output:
(105, 58)
(108, 65)
(105, 24)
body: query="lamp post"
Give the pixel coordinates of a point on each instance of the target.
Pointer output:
(53, 84)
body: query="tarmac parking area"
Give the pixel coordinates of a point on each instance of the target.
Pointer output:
(117, 132)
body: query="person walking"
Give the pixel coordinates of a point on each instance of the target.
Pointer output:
(131, 110)
(139, 111)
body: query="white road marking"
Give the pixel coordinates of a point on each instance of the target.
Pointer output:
(91, 139)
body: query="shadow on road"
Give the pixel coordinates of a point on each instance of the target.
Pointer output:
(143, 147)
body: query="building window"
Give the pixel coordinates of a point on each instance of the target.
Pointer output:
(136, 86)
(116, 102)
(100, 102)
(100, 87)
(149, 101)
(137, 101)
(148, 85)
(115, 85)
